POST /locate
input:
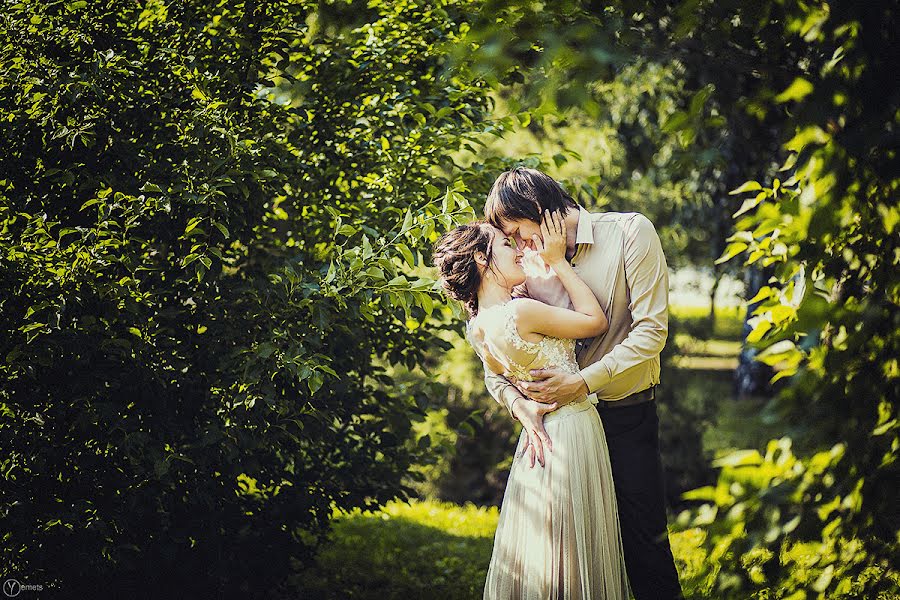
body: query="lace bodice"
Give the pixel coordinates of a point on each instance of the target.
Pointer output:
(500, 337)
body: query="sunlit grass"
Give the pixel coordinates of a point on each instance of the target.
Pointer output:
(430, 549)
(427, 549)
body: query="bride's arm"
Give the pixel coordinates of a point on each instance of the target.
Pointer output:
(586, 319)
(533, 316)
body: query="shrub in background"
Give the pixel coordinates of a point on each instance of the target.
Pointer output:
(205, 209)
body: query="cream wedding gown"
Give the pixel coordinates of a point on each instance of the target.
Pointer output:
(558, 535)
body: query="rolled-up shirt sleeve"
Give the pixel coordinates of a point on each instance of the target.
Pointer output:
(501, 389)
(648, 285)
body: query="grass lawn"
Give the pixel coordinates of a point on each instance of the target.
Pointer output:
(426, 549)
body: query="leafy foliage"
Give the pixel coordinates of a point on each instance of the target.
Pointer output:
(829, 317)
(209, 215)
(807, 88)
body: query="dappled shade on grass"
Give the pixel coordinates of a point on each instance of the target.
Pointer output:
(426, 549)
(418, 550)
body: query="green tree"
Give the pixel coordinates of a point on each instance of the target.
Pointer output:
(206, 213)
(809, 97)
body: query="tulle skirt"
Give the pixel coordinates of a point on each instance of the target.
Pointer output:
(558, 535)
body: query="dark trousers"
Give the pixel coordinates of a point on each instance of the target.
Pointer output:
(632, 434)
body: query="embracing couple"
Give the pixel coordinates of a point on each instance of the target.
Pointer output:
(568, 312)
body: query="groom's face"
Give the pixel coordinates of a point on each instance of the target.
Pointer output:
(522, 231)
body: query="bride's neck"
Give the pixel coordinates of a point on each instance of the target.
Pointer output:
(492, 293)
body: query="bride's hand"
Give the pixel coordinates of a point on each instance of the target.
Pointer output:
(553, 247)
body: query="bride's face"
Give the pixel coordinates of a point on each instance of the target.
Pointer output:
(506, 260)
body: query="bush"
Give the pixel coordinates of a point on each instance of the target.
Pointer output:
(772, 528)
(205, 210)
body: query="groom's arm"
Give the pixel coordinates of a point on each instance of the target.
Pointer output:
(648, 286)
(501, 389)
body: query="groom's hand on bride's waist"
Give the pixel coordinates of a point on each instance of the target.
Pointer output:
(554, 385)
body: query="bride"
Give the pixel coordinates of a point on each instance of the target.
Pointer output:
(558, 534)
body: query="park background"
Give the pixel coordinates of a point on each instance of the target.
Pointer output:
(226, 369)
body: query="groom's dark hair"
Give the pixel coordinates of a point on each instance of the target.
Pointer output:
(524, 193)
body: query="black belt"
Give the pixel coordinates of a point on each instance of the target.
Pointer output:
(635, 398)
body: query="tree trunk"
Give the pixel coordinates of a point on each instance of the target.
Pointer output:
(752, 378)
(717, 279)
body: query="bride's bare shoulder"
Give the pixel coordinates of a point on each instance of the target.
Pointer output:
(526, 307)
(528, 314)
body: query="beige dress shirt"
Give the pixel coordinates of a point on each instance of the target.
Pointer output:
(620, 257)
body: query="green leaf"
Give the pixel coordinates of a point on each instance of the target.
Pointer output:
(731, 251)
(331, 274)
(449, 202)
(812, 134)
(32, 327)
(315, 382)
(192, 224)
(707, 493)
(265, 350)
(785, 350)
(407, 254)
(749, 186)
(824, 580)
(741, 458)
(426, 302)
(799, 89)
(764, 292)
(759, 331)
(189, 259)
(328, 370)
(407, 220)
(222, 229)
(677, 121)
(750, 203)
(699, 100)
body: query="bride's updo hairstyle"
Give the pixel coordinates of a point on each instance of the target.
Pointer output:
(454, 256)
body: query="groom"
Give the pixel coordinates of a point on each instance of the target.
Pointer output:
(619, 256)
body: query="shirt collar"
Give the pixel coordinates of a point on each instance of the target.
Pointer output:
(584, 234)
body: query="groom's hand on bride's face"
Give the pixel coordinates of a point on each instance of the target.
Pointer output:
(554, 385)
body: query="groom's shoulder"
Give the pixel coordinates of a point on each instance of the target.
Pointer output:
(620, 219)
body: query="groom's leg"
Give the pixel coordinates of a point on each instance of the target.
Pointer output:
(632, 434)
